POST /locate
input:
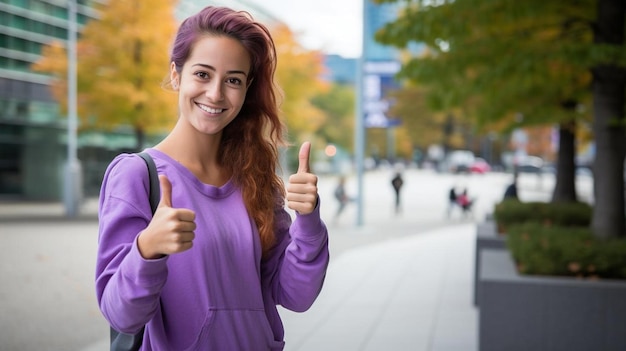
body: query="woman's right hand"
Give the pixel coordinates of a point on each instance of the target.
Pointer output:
(171, 229)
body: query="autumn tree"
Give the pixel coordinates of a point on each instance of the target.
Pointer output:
(298, 74)
(338, 105)
(122, 66)
(425, 125)
(503, 59)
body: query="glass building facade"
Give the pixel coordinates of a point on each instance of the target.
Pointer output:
(32, 131)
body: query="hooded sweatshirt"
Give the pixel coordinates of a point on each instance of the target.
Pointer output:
(222, 293)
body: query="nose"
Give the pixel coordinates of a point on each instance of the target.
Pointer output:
(214, 90)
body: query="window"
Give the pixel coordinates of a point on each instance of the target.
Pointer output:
(38, 27)
(4, 41)
(21, 65)
(19, 22)
(20, 3)
(20, 44)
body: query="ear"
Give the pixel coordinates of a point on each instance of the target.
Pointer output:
(174, 76)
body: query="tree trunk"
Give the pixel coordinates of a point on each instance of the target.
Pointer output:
(608, 126)
(565, 187)
(140, 136)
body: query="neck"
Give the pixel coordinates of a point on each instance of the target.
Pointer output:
(195, 151)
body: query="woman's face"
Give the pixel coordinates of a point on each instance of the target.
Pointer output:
(213, 83)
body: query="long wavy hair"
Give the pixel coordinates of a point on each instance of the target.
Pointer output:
(249, 144)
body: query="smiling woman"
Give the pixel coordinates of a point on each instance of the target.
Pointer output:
(208, 269)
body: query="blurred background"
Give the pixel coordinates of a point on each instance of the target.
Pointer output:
(513, 99)
(452, 94)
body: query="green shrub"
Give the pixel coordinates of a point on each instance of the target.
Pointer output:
(568, 214)
(540, 249)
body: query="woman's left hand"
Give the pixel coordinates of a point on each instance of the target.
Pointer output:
(302, 187)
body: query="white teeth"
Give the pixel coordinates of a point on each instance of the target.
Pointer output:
(211, 110)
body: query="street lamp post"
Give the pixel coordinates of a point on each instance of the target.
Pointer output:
(72, 180)
(359, 125)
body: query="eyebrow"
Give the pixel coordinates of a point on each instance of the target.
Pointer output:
(209, 67)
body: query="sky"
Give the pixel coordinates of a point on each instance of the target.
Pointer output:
(332, 26)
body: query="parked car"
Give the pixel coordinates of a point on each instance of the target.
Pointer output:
(459, 161)
(531, 164)
(480, 166)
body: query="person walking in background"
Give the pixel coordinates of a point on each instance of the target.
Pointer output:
(511, 190)
(452, 197)
(396, 183)
(341, 196)
(465, 202)
(208, 269)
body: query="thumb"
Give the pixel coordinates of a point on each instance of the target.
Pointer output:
(166, 192)
(303, 157)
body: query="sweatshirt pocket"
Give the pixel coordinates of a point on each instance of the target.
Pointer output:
(236, 329)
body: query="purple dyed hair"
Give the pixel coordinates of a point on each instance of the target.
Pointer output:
(223, 21)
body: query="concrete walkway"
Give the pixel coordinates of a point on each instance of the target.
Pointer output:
(411, 293)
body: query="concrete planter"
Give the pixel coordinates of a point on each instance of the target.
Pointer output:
(487, 237)
(547, 313)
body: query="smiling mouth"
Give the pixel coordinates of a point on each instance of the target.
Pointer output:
(210, 109)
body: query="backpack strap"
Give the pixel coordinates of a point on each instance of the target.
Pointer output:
(155, 190)
(132, 342)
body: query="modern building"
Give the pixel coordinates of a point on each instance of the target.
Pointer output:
(33, 132)
(340, 69)
(380, 65)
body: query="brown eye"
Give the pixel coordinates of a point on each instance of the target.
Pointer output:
(234, 81)
(202, 75)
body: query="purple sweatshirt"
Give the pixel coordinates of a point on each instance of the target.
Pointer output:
(220, 294)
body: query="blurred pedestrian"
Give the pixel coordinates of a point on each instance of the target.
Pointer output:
(396, 183)
(341, 196)
(452, 203)
(510, 193)
(209, 268)
(465, 202)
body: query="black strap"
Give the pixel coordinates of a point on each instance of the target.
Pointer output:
(132, 342)
(155, 190)
(126, 342)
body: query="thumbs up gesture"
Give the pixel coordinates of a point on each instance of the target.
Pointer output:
(302, 187)
(171, 229)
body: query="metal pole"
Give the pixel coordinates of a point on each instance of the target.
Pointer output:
(359, 139)
(73, 183)
(391, 143)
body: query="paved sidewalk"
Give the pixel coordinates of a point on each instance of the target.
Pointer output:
(411, 293)
(38, 211)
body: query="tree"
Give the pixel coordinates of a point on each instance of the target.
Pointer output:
(298, 74)
(609, 125)
(425, 126)
(504, 58)
(338, 106)
(122, 64)
(497, 56)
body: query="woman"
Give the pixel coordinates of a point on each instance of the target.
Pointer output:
(208, 269)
